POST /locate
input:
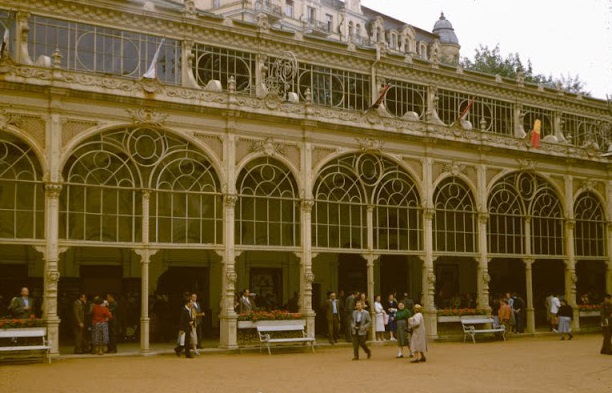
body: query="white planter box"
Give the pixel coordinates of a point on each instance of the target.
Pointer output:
(282, 322)
(584, 314)
(457, 318)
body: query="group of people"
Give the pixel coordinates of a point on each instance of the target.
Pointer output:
(404, 324)
(95, 324)
(508, 310)
(189, 327)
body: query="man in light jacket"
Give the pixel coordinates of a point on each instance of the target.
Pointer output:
(360, 325)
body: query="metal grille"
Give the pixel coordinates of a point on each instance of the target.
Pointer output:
(212, 63)
(397, 212)
(339, 214)
(105, 177)
(21, 191)
(485, 114)
(583, 131)
(531, 114)
(335, 88)
(7, 22)
(514, 199)
(454, 224)
(103, 50)
(267, 210)
(590, 229)
(404, 97)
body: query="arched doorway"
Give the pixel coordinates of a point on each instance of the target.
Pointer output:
(121, 178)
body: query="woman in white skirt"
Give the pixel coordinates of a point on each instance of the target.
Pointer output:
(565, 315)
(379, 319)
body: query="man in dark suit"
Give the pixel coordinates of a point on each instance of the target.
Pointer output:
(332, 315)
(245, 303)
(186, 322)
(78, 313)
(113, 323)
(606, 325)
(349, 306)
(22, 307)
(360, 327)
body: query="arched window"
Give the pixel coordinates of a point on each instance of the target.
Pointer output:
(21, 191)
(454, 224)
(267, 211)
(339, 213)
(516, 198)
(107, 175)
(397, 211)
(590, 229)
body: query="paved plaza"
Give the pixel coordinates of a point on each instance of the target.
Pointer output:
(526, 364)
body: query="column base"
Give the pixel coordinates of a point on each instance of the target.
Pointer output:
(53, 335)
(431, 324)
(228, 332)
(144, 335)
(310, 323)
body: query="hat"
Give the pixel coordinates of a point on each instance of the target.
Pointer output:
(418, 306)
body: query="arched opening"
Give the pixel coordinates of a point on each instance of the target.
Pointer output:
(114, 181)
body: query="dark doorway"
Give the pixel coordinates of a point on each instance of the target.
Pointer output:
(507, 275)
(548, 278)
(591, 280)
(100, 280)
(393, 275)
(352, 273)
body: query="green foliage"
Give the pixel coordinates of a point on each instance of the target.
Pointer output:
(490, 61)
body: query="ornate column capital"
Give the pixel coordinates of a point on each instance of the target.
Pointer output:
(53, 190)
(483, 217)
(307, 205)
(429, 213)
(229, 200)
(528, 262)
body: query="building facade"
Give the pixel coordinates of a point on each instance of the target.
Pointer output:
(210, 146)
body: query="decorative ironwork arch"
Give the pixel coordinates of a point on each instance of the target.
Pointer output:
(267, 210)
(516, 198)
(590, 229)
(349, 184)
(454, 224)
(21, 191)
(106, 177)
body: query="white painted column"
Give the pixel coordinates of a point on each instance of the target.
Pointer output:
(51, 258)
(570, 272)
(306, 275)
(483, 278)
(228, 317)
(530, 327)
(428, 275)
(609, 261)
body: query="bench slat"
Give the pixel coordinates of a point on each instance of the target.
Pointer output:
(286, 328)
(26, 348)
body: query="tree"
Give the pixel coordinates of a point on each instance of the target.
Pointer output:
(490, 61)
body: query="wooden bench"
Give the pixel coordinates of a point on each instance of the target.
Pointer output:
(35, 341)
(469, 328)
(266, 336)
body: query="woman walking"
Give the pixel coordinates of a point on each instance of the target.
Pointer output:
(401, 325)
(99, 320)
(391, 310)
(565, 314)
(418, 340)
(379, 321)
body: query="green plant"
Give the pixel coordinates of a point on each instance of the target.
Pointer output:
(13, 323)
(274, 315)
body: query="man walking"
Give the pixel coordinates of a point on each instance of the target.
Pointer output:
(78, 312)
(199, 314)
(186, 323)
(606, 325)
(360, 326)
(332, 315)
(349, 307)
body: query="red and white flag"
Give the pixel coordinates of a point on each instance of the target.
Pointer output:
(535, 133)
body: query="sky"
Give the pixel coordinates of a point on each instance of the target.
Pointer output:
(560, 37)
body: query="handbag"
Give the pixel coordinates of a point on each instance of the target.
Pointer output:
(180, 340)
(386, 318)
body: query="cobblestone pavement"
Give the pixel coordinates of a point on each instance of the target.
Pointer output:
(533, 364)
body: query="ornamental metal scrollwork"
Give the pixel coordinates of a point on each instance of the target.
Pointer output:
(281, 74)
(147, 116)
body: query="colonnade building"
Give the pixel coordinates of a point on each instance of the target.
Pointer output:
(162, 146)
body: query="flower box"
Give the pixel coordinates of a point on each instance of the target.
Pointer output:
(285, 322)
(14, 323)
(591, 313)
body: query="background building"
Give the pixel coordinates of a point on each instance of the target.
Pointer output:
(249, 156)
